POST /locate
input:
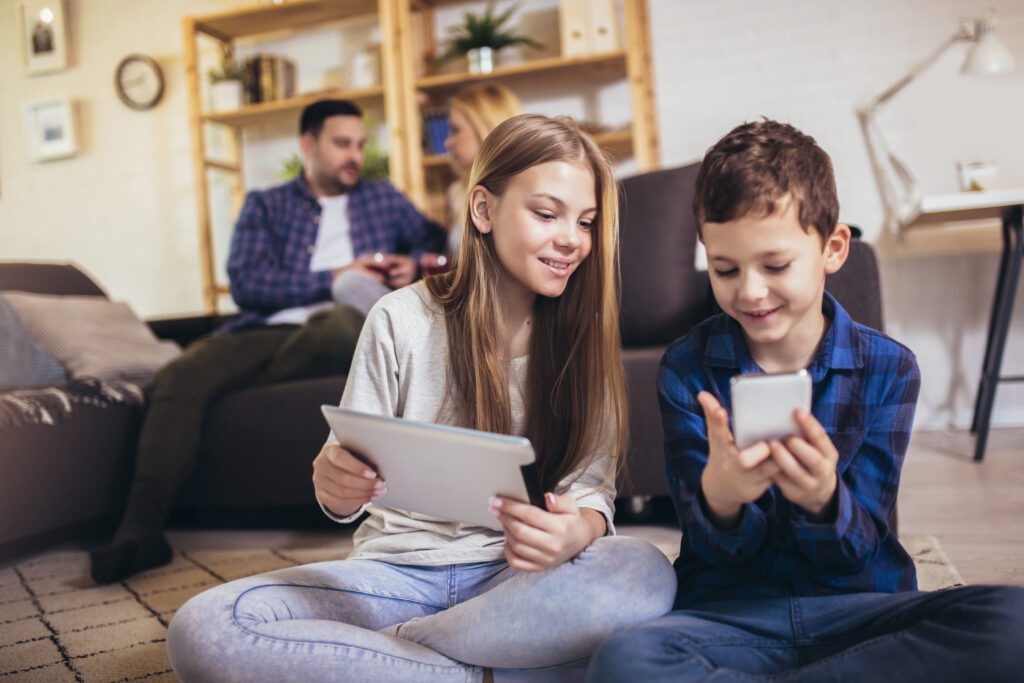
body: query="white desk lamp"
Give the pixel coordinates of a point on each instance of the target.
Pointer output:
(986, 56)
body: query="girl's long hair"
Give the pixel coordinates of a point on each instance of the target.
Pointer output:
(575, 396)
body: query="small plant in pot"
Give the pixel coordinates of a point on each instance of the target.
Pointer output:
(480, 37)
(226, 84)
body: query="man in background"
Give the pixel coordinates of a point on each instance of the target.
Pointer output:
(292, 245)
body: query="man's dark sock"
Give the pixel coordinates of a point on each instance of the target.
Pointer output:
(126, 556)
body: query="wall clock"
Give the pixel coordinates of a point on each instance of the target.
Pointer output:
(139, 81)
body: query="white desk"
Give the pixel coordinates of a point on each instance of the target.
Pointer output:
(965, 206)
(962, 206)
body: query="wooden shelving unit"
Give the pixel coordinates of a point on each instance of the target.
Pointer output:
(268, 21)
(615, 142)
(429, 174)
(295, 14)
(401, 23)
(255, 114)
(613, 65)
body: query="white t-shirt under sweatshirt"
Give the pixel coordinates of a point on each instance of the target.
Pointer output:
(399, 370)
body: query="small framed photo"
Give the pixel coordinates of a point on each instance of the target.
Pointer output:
(43, 35)
(50, 130)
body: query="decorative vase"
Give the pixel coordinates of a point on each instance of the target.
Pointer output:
(365, 69)
(226, 95)
(481, 60)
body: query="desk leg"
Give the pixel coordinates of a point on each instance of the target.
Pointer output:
(999, 325)
(993, 320)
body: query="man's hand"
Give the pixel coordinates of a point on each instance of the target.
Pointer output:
(732, 477)
(368, 266)
(401, 270)
(342, 482)
(807, 467)
(536, 539)
(393, 270)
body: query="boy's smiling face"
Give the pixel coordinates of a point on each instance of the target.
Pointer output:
(768, 273)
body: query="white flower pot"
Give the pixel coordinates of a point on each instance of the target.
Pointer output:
(225, 95)
(481, 60)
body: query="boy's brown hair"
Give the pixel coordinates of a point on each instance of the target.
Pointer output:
(755, 165)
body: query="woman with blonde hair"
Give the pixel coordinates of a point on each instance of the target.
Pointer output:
(522, 338)
(472, 114)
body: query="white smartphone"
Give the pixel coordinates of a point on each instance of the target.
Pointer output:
(763, 405)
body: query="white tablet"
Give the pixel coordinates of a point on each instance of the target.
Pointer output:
(439, 470)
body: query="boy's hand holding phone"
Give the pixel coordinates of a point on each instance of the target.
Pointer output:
(807, 467)
(342, 482)
(732, 476)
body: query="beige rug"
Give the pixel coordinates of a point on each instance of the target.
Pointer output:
(56, 625)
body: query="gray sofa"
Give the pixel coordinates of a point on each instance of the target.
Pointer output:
(258, 443)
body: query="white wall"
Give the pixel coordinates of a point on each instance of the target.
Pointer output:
(124, 206)
(811, 62)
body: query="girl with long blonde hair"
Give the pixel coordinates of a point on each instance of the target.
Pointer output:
(522, 338)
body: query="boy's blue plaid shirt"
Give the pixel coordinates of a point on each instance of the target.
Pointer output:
(274, 239)
(865, 393)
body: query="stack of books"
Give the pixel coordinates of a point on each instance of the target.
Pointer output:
(266, 78)
(435, 129)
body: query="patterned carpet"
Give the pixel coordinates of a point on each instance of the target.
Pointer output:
(56, 625)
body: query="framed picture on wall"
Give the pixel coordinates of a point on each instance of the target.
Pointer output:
(50, 130)
(43, 35)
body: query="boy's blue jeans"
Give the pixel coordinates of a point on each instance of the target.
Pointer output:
(360, 620)
(974, 633)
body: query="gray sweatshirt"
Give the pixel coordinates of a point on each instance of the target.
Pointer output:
(400, 370)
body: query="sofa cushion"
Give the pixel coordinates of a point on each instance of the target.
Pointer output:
(24, 363)
(93, 336)
(46, 278)
(662, 294)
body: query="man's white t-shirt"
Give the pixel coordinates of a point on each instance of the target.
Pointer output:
(333, 250)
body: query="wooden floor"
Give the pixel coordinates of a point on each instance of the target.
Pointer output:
(976, 510)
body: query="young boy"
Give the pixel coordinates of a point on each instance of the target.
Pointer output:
(788, 569)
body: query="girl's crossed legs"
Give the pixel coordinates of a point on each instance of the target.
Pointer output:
(360, 620)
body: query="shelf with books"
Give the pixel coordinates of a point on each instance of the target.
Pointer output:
(608, 58)
(616, 143)
(254, 114)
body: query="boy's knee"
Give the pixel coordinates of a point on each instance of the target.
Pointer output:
(1005, 630)
(624, 656)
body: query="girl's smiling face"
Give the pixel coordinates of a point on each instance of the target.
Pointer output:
(541, 226)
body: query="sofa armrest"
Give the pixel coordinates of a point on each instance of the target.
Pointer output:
(185, 330)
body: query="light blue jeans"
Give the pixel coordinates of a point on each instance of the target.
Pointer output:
(362, 620)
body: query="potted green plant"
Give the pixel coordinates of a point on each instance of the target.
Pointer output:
(226, 84)
(479, 38)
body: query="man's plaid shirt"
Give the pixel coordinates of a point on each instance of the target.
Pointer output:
(865, 394)
(275, 236)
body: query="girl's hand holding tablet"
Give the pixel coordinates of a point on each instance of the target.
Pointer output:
(537, 540)
(342, 482)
